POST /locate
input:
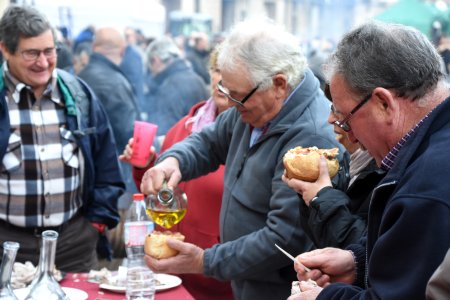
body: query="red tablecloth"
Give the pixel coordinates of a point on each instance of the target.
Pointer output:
(79, 281)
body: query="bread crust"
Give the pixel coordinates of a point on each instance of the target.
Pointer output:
(303, 163)
(156, 244)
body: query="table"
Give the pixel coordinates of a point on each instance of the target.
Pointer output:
(79, 281)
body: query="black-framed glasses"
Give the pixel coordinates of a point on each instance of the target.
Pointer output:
(344, 123)
(226, 92)
(34, 54)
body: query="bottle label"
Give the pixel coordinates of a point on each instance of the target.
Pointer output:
(135, 233)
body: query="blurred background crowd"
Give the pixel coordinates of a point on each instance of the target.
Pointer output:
(151, 81)
(196, 26)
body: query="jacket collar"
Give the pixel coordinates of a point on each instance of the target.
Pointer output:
(2, 83)
(300, 99)
(435, 120)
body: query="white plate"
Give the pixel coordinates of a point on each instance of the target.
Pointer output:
(73, 294)
(166, 282)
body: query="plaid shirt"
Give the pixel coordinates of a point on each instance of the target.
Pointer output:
(389, 160)
(40, 172)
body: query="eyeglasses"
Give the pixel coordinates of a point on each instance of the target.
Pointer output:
(226, 92)
(34, 54)
(344, 123)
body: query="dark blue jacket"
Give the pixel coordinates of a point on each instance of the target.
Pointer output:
(409, 219)
(116, 95)
(133, 67)
(102, 184)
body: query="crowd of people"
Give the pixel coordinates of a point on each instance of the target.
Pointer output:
(379, 229)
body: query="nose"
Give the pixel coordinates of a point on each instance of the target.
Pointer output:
(42, 60)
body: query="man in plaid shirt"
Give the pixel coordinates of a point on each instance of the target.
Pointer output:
(58, 167)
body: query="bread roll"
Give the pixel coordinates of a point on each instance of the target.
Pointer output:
(156, 245)
(303, 163)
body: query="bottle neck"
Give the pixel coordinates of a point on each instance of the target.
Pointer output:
(9, 256)
(47, 256)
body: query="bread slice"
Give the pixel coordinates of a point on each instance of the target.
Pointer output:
(156, 244)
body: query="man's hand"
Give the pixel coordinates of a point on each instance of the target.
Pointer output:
(308, 290)
(154, 178)
(327, 265)
(188, 260)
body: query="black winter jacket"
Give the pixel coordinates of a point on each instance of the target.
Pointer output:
(337, 218)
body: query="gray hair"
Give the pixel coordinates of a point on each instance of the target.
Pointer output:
(164, 48)
(21, 22)
(385, 55)
(265, 49)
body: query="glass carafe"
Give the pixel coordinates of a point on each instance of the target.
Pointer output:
(168, 207)
(9, 256)
(44, 285)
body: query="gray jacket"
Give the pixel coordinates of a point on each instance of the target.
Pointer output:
(258, 208)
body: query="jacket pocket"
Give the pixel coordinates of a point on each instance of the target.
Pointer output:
(69, 148)
(12, 159)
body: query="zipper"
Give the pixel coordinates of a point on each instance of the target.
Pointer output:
(366, 271)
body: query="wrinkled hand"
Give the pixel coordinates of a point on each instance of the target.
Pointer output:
(153, 179)
(309, 190)
(189, 260)
(327, 265)
(309, 291)
(128, 152)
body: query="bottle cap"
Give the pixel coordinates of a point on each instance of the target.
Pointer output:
(138, 197)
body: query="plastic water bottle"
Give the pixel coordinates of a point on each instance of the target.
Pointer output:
(140, 280)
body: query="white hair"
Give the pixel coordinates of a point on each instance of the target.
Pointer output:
(265, 49)
(164, 48)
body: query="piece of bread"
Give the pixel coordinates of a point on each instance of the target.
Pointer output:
(303, 163)
(156, 246)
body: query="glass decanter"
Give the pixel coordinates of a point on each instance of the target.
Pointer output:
(168, 207)
(44, 285)
(9, 256)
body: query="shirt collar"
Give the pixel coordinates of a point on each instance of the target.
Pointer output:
(15, 86)
(389, 160)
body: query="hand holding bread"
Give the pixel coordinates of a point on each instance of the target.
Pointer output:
(156, 244)
(303, 163)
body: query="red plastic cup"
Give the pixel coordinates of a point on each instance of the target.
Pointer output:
(143, 136)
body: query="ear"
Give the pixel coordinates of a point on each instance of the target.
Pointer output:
(386, 104)
(280, 85)
(5, 51)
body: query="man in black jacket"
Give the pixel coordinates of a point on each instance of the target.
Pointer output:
(114, 91)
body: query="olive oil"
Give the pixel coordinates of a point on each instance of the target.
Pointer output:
(166, 219)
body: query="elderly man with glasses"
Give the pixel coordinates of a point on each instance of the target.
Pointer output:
(277, 105)
(59, 168)
(403, 121)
